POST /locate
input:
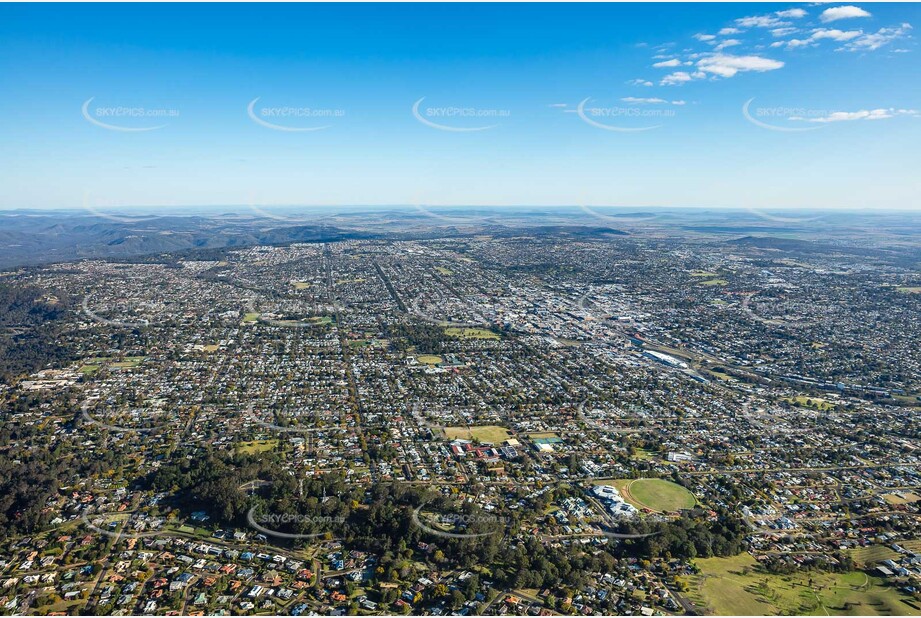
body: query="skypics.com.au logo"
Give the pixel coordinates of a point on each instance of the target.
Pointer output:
(457, 525)
(457, 119)
(127, 119)
(292, 118)
(276, 524)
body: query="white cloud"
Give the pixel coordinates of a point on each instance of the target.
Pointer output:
(864, 114)
(875, 40)
(676, 78)
(779, 32)
(726, 65)
(667, 63)
(819, 34)
(727, 43)
(761, 21)
(794, 43)
(649, 101)
(643, 100)
(835, 35)
(704, 37)
(842, 12)
(728, 31)
(791, 13)
(640, 82)
(558, 105)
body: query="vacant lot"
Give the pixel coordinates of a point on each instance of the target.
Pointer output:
(901, 497)
(485, 433)
(655, 494)
(738, 586)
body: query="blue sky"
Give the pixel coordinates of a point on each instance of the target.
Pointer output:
(521, 104)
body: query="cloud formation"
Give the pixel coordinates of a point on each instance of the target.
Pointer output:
(650, 101)
(842, 12)
(875, 40)
(676, 78)
(864, 114)
(727, 65)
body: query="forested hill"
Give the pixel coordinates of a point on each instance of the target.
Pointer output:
(29, 329)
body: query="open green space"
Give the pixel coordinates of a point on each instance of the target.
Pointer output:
(714, 282)
(470, 333)
(738, 586)
(129, 362)
(429, 359)
(872, 554)
(902, 497)
(655, 494)
(315, 320)
(544, 435)
(910, 290)
(493, 434)
(255, 446)
(444, 271)
(816, 403)
(251, 316)
(97, 360)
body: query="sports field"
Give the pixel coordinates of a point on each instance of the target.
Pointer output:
(429, 359)
(655, 494)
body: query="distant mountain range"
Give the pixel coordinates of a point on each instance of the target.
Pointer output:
(31, 239)
(39, 237)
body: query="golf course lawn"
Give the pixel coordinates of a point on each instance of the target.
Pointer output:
(738, 586)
